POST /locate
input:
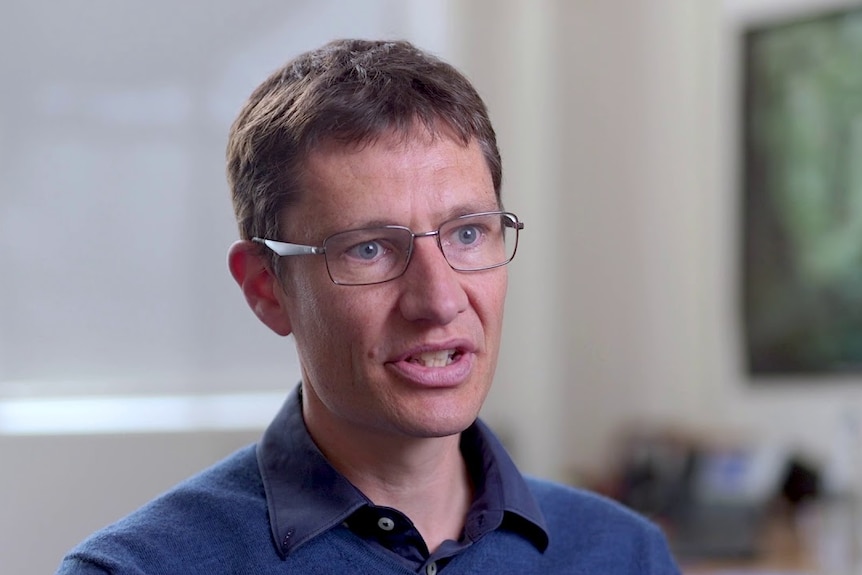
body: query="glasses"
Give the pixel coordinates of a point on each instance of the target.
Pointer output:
(470, 243)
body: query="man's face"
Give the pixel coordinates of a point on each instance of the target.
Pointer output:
(415, 356)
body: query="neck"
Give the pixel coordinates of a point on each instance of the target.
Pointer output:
(424, 478)
(433, 488)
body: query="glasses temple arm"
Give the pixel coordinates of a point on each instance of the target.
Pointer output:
(287, 249)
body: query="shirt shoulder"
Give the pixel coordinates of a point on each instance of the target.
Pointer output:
(219, 513)
(601, 531)
(566, 502)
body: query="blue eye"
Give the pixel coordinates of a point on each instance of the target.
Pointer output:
(468, 234)
(367, 250)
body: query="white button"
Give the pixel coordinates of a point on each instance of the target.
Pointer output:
(431, 569)
(386, 524)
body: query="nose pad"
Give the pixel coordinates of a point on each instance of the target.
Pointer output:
(432, 289)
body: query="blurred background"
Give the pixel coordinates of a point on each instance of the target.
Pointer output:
(129, 360)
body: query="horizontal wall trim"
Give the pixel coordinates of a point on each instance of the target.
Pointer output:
(138, 414)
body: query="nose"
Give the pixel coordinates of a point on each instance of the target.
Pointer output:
(432, 290)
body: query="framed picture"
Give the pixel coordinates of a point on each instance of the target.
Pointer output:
(802, 195)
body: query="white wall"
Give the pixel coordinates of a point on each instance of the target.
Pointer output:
(606, 118)
(54, 491)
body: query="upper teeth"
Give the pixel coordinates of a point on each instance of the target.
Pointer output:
(435, 358)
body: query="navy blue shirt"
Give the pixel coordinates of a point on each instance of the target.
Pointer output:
(306, 496)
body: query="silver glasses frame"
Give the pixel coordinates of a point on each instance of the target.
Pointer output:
(286, 249)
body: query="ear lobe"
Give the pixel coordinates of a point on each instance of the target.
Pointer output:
(259, 285)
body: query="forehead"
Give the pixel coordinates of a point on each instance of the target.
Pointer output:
(414, 181)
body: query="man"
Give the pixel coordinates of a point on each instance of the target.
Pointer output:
(366, 183)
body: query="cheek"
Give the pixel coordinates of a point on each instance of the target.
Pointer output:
(490, 299)
(333, 321)
(306, 301)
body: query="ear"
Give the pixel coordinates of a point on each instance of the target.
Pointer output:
(262, 290)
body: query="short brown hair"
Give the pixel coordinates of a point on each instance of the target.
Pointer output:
(347, 92)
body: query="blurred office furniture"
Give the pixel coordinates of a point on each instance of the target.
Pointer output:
(728, 504)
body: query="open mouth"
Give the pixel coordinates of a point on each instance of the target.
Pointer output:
(440, 358)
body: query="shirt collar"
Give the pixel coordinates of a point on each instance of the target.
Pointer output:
(306, 496)
(500, 488)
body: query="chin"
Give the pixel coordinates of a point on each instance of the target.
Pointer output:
(441, 425)
(440, 413)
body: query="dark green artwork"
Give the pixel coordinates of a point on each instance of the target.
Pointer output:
(802, 200)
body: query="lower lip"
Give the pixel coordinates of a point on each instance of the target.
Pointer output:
(451, 375)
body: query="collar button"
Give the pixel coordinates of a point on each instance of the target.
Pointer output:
(386, 524)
